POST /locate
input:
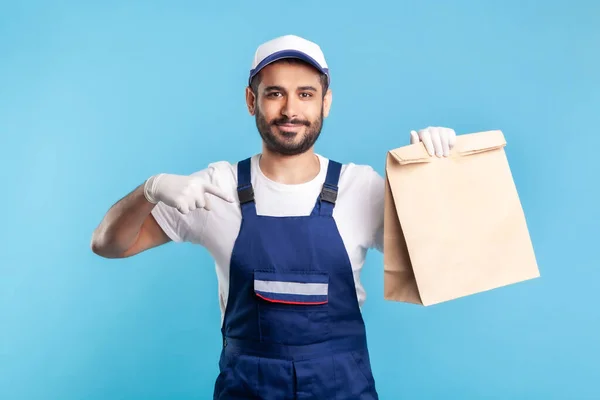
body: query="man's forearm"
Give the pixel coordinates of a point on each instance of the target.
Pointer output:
(121, 225)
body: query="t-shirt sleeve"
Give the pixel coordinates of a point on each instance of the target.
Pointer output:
(376, 195)
(184, 227)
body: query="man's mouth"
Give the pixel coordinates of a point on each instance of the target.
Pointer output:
(288, 127)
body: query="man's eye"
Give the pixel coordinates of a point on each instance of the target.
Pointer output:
(305, 95)
(274, 94)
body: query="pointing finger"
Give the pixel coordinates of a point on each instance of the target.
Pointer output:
(214, 190)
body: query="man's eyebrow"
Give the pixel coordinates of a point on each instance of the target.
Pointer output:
(281, 89)
(311, 88)
(271, 88)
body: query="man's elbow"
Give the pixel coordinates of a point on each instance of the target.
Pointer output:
(102, 247)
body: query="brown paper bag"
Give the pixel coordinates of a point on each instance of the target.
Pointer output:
(453, 226)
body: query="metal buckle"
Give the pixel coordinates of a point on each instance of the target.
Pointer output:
(246, 195)
(328, 194)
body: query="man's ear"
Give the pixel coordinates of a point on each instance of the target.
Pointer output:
(250, 100)
(327, 99)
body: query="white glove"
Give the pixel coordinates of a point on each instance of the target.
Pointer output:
(438, 141)
(185, 193)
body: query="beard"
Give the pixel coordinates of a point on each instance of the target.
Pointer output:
(283, 142)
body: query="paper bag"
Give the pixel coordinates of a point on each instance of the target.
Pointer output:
(453, 226)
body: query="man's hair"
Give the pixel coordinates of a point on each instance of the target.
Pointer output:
(323, 78)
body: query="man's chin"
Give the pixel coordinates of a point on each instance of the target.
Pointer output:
(286, 147)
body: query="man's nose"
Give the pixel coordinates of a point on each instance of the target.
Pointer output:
(290, 108)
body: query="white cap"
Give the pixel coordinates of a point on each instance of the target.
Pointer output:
(288, 46)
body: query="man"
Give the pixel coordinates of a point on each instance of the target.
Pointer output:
(288, 229)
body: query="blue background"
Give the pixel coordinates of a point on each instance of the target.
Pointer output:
(95, 98)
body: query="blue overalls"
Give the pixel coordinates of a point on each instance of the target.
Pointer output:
(292, 328)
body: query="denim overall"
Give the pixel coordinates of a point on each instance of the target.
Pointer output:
(292, 328)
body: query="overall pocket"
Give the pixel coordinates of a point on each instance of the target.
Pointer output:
(293, 306)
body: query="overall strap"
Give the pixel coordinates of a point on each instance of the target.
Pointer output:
(244, 188)
(329, 192)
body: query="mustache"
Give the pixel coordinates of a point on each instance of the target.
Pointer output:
(285, 120)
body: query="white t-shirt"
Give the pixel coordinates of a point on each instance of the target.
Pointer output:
(358, 213)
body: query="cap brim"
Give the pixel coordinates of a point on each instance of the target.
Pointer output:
(287, 54)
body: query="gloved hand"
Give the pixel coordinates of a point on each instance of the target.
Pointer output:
(438, 141)
(185, 193)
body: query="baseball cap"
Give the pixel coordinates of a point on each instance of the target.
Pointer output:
(288, 46)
